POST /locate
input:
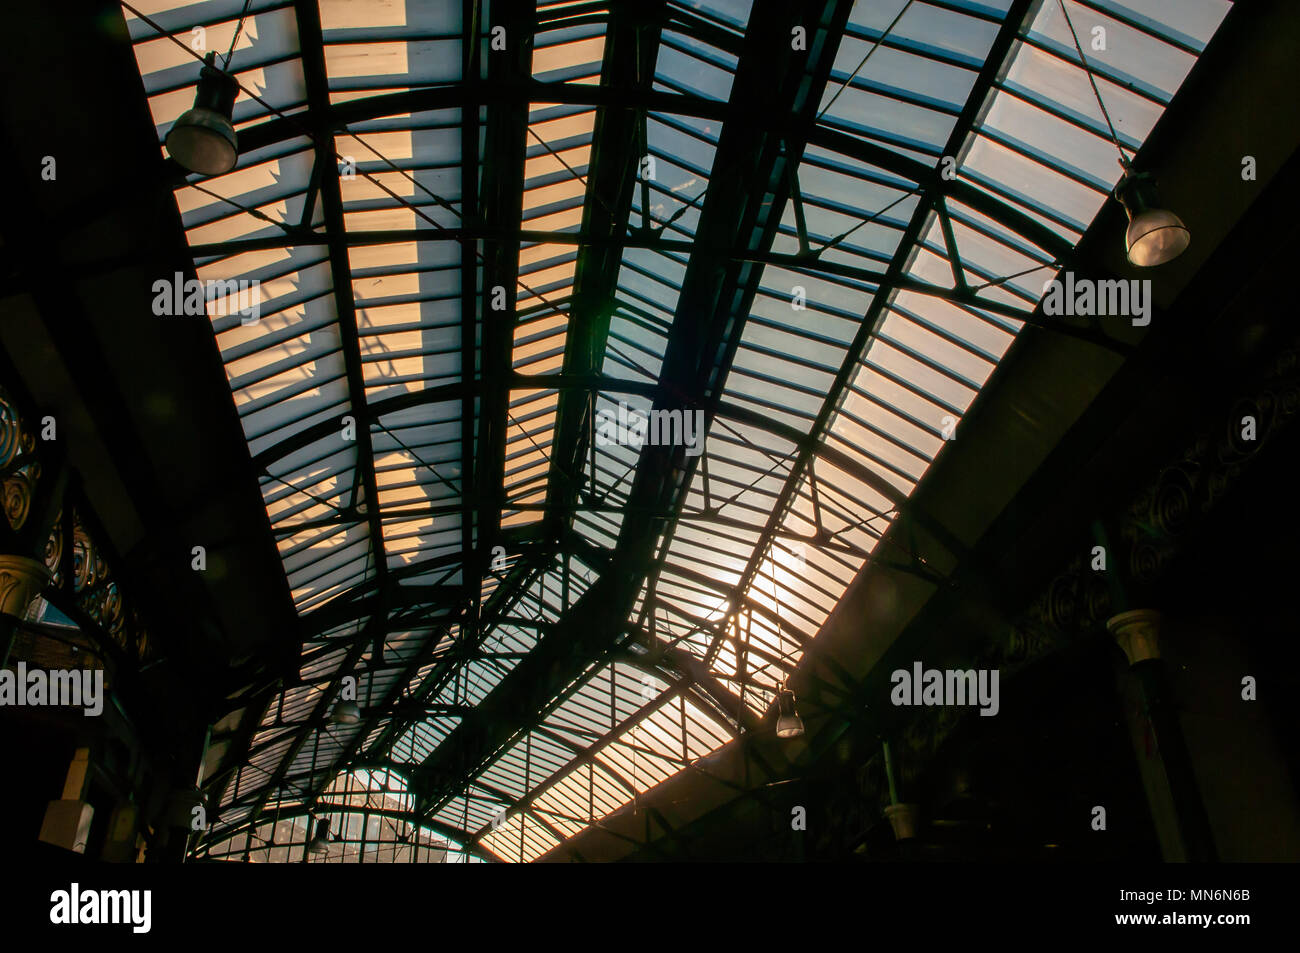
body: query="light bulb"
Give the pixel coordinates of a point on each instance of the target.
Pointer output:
(203, 139)
(346, 713)
(788, 722)
(1155, 235)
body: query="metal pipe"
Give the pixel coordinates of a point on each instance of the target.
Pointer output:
(889, 771)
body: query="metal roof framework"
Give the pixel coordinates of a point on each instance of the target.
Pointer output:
(481, 232)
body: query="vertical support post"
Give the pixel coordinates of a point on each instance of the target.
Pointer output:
(1164, 763)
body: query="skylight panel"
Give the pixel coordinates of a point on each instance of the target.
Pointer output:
(1060, 84)
(572, 54)
(640, 729)
(470, 811)
(522, 838)
(1131, 57)
(693, 68)
(422, 739)
(1071, 150)
(384, 45)
(905, 76)
(733, 12)
(1195, 24)
(886, 119)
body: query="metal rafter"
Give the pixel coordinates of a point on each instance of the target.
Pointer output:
(471, 301)
(631, 45)
(706, 323)
(502, 201)
(503, 599)
(699, 352)
(311, 43)
(400, 721)
(931, 204)
(659, 101)
(963, 295)
(313, 723)
(354, 604)
(583, 756)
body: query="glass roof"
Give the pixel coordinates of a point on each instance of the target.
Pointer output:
(477, 227)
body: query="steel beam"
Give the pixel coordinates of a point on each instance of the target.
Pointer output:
(706, 324)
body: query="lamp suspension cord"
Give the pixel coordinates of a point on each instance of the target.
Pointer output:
(1114, 136)
(239, 28)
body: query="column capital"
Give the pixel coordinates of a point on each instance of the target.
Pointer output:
(1138, 633)
(21, 581)
(903, 818)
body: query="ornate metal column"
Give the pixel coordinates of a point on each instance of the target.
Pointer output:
(22, 578)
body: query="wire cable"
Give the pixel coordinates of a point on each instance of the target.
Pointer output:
(874, 46)
(1114, 136)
